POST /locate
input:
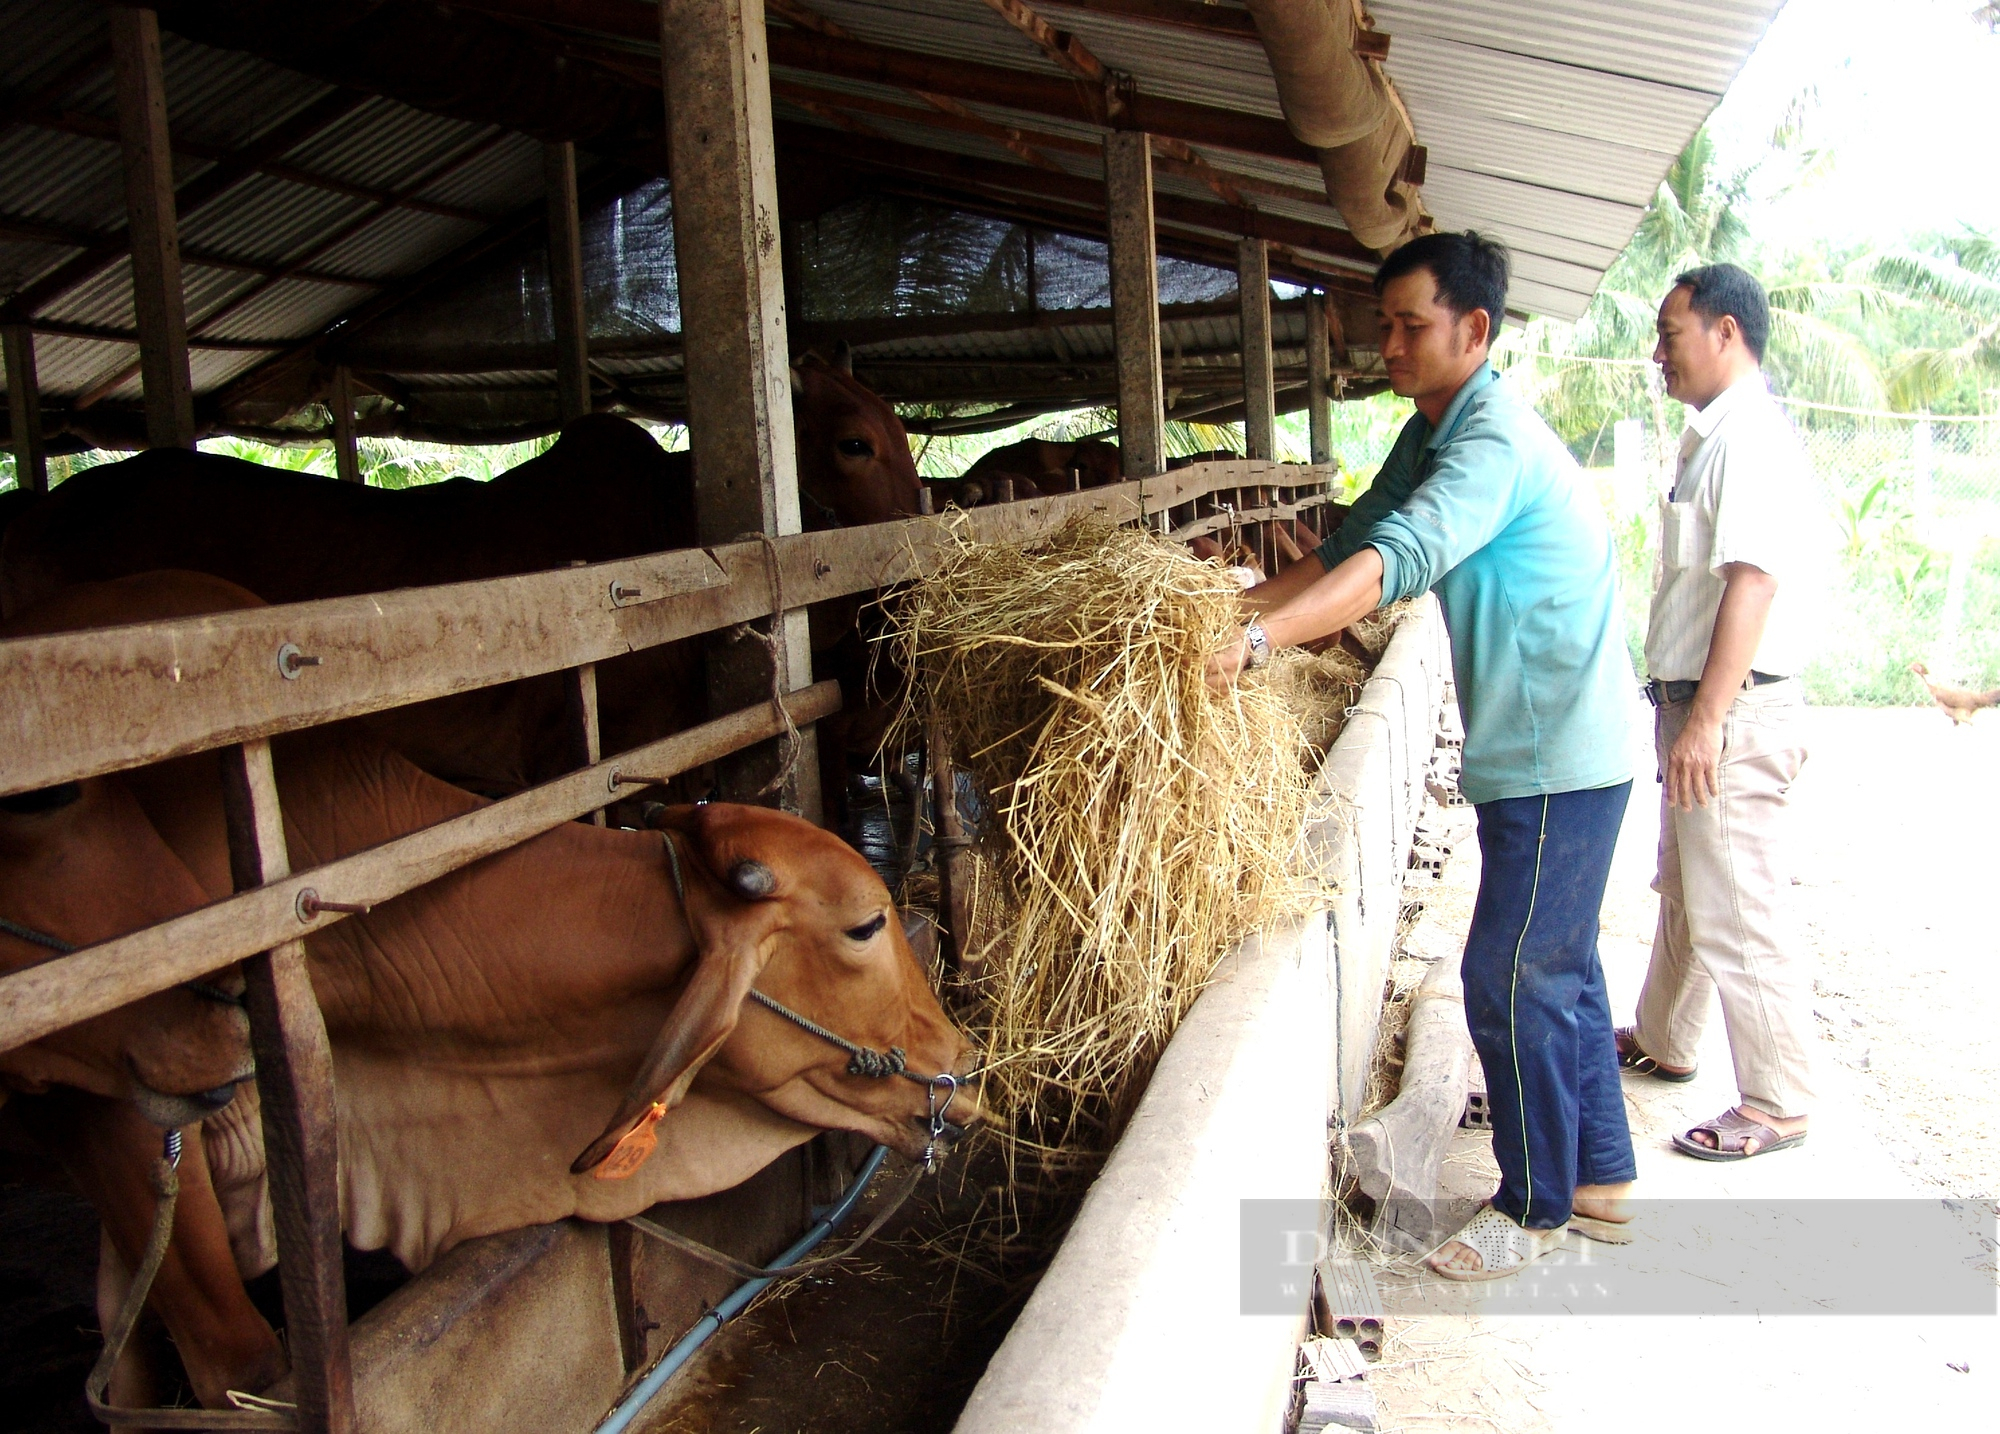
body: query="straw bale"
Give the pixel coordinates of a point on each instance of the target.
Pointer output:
(1141, 825)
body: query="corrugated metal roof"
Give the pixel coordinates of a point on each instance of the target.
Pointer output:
(1548, 124)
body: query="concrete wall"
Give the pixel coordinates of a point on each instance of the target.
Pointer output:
(1137, 1322)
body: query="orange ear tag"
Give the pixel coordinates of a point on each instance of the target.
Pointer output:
(631, 1151)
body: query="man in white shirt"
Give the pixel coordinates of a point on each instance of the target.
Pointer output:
(1724, 647)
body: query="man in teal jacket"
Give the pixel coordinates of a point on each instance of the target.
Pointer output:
(1482, 504)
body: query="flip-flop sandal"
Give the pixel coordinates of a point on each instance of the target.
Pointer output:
(1503, 1247)
(1733, 1125)
(1605, 1232)
(1631, 1058)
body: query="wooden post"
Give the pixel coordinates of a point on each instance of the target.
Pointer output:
(24, 409)
(953, 864)
(1135, 303)
(1260, 414)
(718, 86)
(295, 1084)
(1319, 378)
(157, 298)
(566, 311)
(346, 456)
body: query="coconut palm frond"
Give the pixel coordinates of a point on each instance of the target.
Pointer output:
(1922, 376)
(1824, 296)
(1820, 358)
(1930, 277)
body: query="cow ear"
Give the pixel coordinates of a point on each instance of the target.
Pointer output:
(732, 948)
(843, 358)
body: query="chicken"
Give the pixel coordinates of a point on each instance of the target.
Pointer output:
(1958, 705)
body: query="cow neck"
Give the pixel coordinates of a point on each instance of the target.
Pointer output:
(523, 941)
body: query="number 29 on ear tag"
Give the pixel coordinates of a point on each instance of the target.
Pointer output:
(631, 1151)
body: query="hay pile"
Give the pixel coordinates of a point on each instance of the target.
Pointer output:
(1140, 825)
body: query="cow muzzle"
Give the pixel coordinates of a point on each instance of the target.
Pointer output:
(171, 1112)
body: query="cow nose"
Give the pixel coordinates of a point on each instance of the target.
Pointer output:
(215, 1099)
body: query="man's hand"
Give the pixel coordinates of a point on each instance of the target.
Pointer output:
(1225, 666)
(1692, 779)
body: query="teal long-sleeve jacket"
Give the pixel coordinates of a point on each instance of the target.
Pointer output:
(1490, 511)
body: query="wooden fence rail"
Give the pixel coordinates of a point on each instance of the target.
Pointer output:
(99, 978)
(79, 704)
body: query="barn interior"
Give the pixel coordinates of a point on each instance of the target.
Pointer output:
(461, 222)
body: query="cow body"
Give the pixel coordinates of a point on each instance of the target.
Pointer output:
(605, 490)
(485, 1028)
(1036, 467)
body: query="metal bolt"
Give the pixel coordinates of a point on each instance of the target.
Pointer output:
(821, 568)
(308, 906)
(622, 594)
(291, 661)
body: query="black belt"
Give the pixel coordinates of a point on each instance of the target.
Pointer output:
(1661, 693)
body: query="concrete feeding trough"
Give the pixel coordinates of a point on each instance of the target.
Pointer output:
(1147, 1285)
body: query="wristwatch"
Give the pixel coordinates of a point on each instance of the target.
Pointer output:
(1256, 646)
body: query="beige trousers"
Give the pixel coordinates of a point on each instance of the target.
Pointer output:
(1725, 909)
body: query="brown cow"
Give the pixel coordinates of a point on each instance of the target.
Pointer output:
(486, 1028)
(605, 490)
(1036, 466)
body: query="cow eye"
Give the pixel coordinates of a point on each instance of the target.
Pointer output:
(867, 929)
(856, 447)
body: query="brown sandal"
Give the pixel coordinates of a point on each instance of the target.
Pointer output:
(1733, 1125)
(1630, 1058)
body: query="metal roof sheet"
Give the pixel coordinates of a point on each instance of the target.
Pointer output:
(1548, 123)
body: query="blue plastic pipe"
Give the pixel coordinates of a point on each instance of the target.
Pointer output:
(627, 1409)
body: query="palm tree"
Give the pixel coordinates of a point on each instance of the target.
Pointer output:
(1594, 371)
(1960, 286)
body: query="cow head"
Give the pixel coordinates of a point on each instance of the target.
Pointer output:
(776, 903)
(81, 863)
(854, 454)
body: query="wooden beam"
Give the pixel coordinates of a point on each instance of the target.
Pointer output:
(1222, 22)
(346, 453)
(157, 296)
(463, 155)
(732, 294)
(1030, 93)
(221, 177)
(908, 159)
(1319, 378)
(295, 1089)
(1135, 302)
(1253, 288)
(24, 409)
(514, 226)
(566, 294)
(91, 127)
(41, 231)
(1068, 52)
(114, 973)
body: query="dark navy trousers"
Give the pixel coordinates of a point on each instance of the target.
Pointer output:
(1535, 1000)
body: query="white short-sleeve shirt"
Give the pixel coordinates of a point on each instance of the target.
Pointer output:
(1743, 493)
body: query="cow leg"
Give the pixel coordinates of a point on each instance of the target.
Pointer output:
(109, 1149)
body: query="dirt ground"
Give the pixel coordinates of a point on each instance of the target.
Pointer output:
(1899, 890)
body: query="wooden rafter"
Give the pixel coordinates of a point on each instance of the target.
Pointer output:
(1075, 189)
(224, 175)
(1060, 46)
(69, 236)
(92, 127)
(809, 19)
(461, 156)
